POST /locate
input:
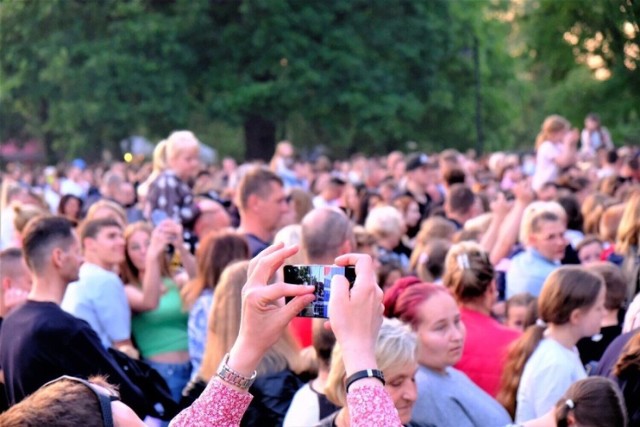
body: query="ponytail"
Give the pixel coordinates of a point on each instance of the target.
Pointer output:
(562, 412)
(519, 353)
(566, 289)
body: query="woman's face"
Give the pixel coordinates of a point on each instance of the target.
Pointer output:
(413, 214)
(137, 246)
(72, 208)
(401, 386)
(440, 332)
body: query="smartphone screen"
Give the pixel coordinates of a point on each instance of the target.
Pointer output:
(320, 277)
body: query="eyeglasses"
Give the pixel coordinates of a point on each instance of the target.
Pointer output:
(104, 399)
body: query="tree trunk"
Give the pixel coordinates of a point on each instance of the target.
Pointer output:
(51, 154)
(259, 137)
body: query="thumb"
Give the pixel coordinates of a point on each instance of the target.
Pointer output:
(296, 305)
(339, 294)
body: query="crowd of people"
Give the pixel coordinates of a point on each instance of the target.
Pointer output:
(501, 290)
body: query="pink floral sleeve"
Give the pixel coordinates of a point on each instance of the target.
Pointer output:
(372, 406)
(219, 405)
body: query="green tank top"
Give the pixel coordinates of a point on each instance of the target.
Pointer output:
(164, 329)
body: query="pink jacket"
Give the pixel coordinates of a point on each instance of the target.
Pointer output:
(219, 405)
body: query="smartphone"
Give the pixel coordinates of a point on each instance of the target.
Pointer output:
(157, 216)
(320, 276)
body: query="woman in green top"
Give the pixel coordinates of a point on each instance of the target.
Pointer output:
(159, 324)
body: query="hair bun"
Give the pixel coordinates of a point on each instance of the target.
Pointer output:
(392, 294)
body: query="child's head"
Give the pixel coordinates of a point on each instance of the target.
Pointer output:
(615, 283)
(553, 129)
(589, 250)
(594, 401)
(571, 297)
(517, 310)
(183, 153)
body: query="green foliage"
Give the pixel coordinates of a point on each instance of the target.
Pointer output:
(562, 39)
(352, 75)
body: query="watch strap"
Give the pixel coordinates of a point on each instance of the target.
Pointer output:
(366, 373)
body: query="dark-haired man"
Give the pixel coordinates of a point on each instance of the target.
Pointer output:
(39, 341)
(460, 205)
(98, 295)
(261, 201)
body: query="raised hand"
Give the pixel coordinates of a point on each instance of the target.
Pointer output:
(356, 315)
(264, 313)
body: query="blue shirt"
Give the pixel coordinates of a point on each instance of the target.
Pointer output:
(198, 322)
(98, 297)
(527, 272)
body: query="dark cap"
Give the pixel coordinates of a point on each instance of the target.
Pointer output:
(338, 178)
(416, 160)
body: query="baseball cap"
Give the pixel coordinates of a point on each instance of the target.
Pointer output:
(415, 161)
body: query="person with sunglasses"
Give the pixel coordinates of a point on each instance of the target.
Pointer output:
(72, 402)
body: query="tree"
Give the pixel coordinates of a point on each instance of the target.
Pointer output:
(586, 59)
(83, 84)
(353, 75)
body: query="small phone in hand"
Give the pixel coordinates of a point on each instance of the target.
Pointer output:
(320, 277)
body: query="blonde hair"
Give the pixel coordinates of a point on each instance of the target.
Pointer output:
(610, 223)
(536, 213)
(396, 346)
(224, 326)
(159, 165)
(23, 213)
(384, 221)
(551, 125)
(628, 235)
(118, 213)
(178, 142)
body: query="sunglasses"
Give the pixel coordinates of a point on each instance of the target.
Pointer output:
(104, 399)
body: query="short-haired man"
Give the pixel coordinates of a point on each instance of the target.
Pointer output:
(327, 233)
(15, 280)
(460, 205)
(39, 341)
(261, 201)
(98, 295)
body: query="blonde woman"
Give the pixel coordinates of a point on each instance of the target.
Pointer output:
(395, 353)
(542, 233)
(277, 366)
(388, 226)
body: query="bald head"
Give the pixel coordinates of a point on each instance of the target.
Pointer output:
(326, 234)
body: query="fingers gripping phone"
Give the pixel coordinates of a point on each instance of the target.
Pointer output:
(319, 276)
(157, 216)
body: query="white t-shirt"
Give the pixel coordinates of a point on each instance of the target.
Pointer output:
(304, 409)
(548, 373)
(98, 297)
(546, 168)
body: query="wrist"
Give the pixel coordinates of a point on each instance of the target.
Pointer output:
(355, 361)
(243, 358)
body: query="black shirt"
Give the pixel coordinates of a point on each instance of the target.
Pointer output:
(40, 342)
